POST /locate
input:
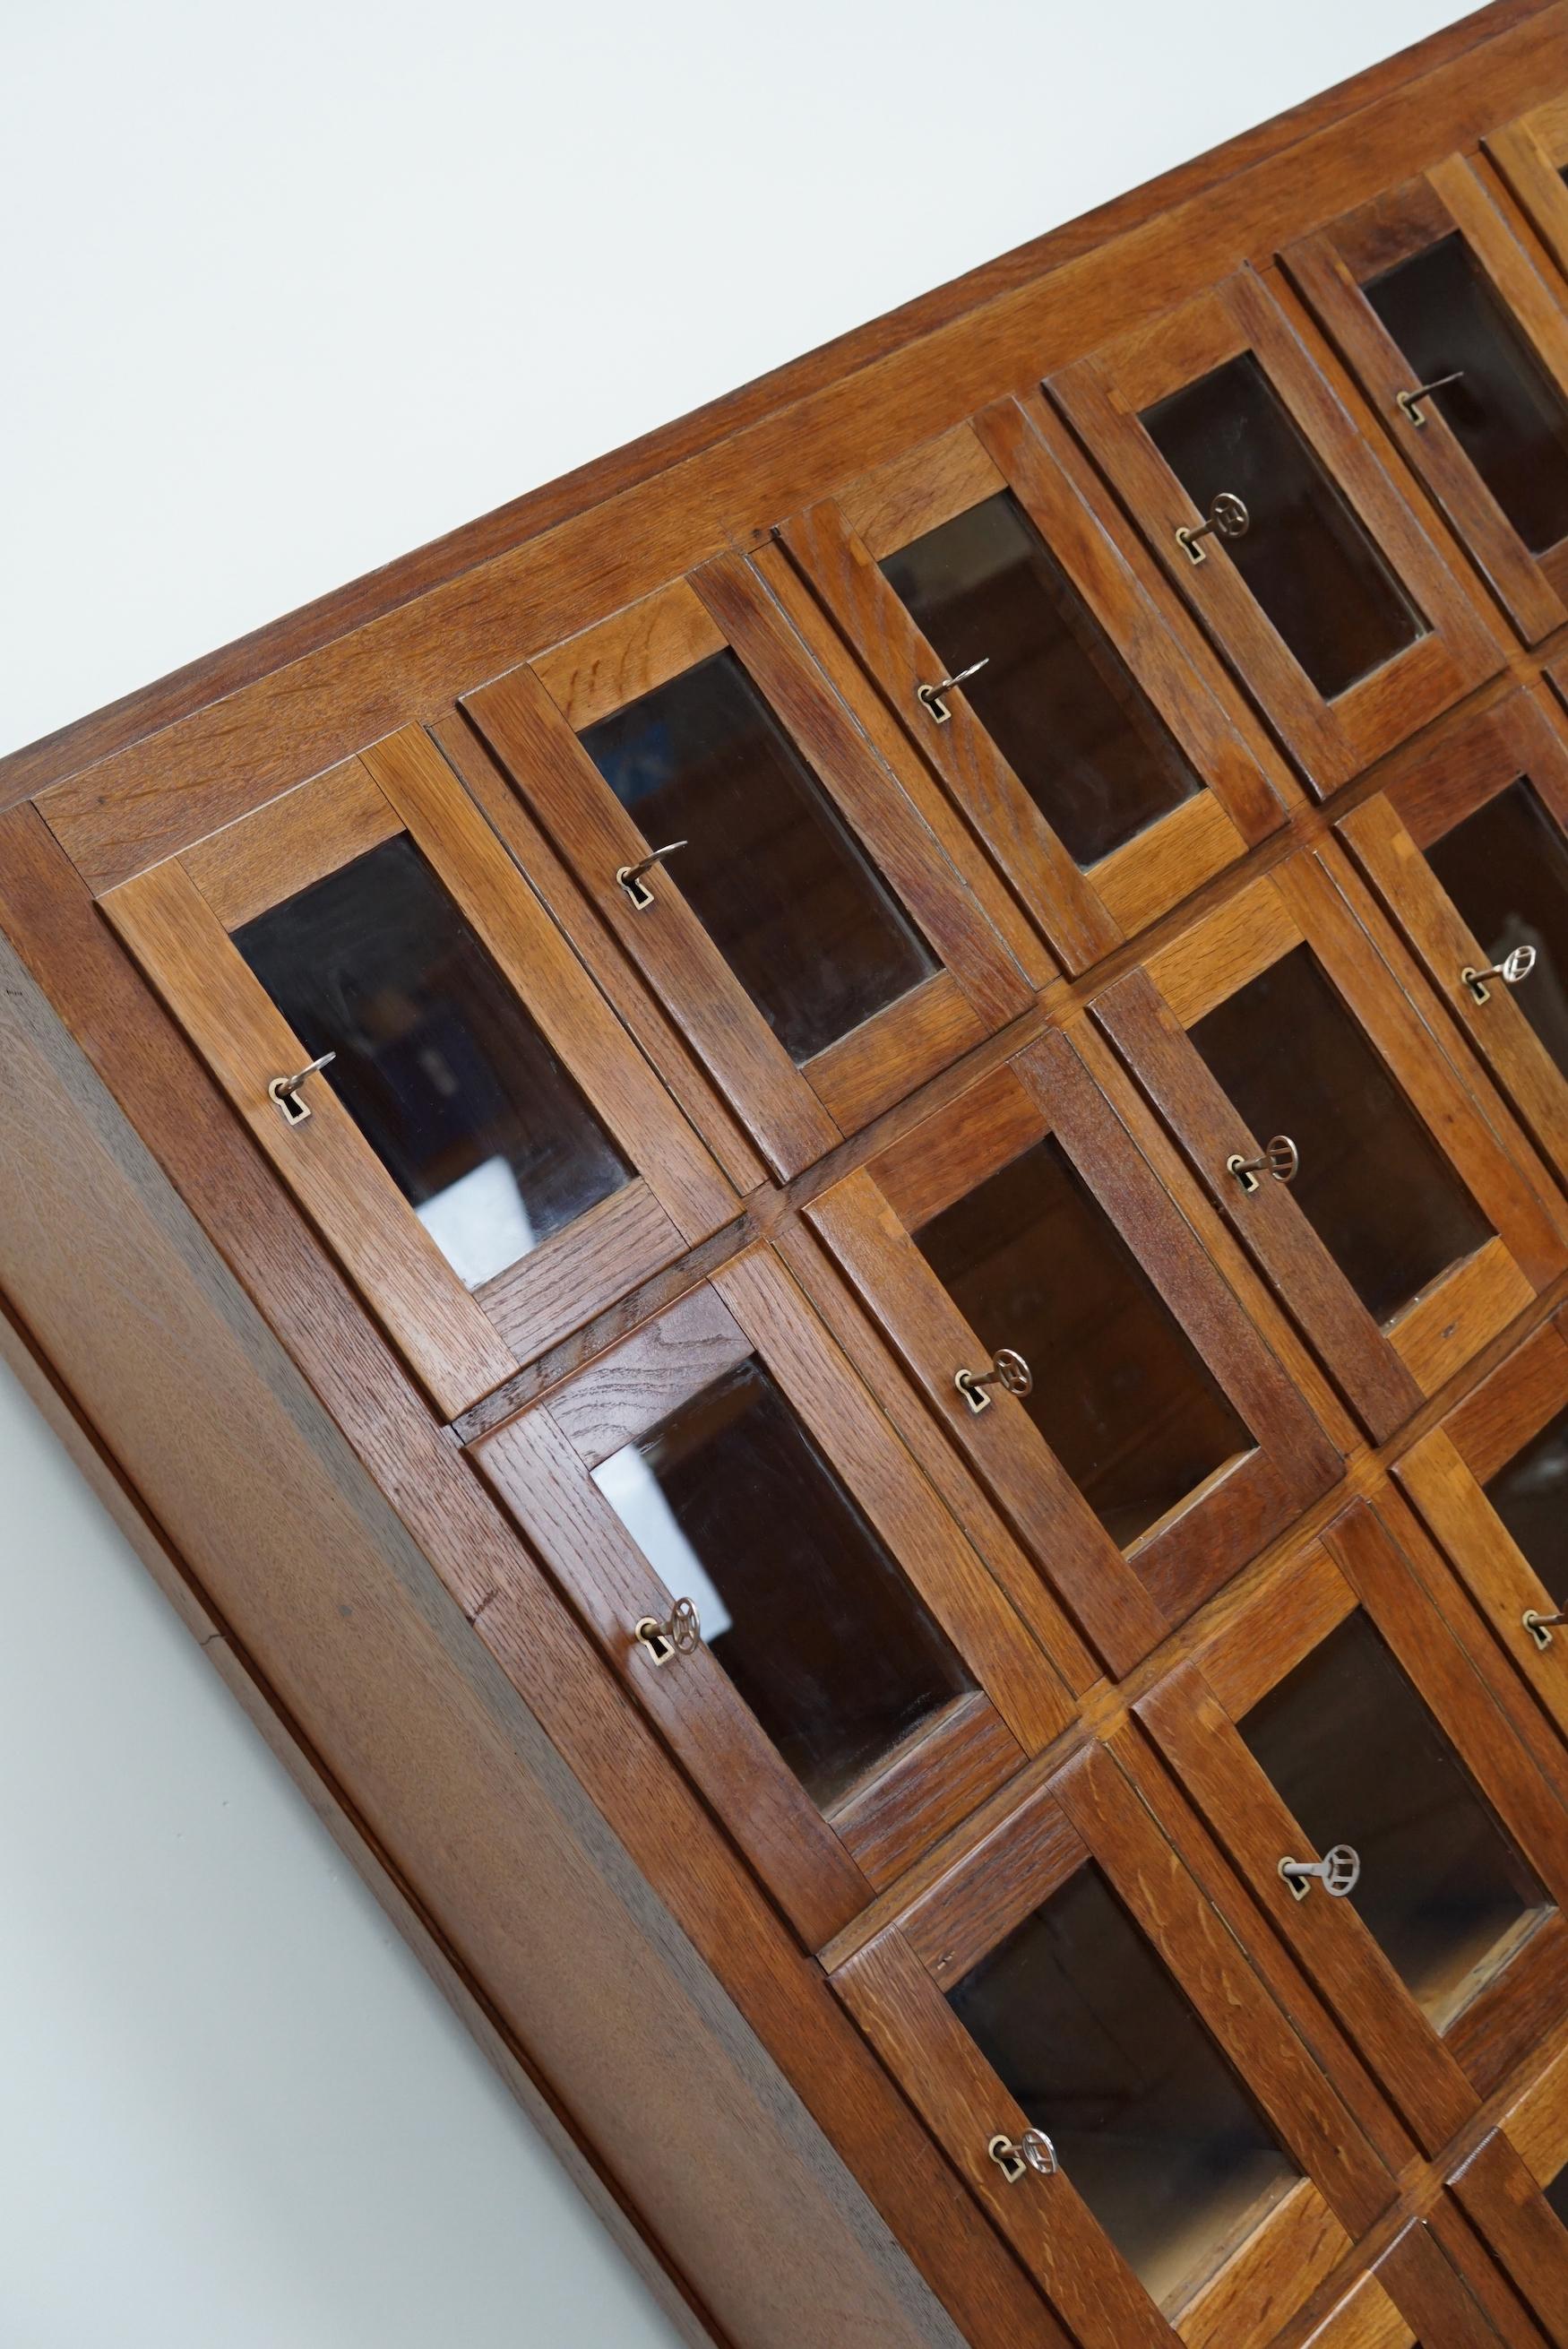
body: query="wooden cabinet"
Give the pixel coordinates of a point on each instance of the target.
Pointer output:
(1318, 581)
(1315, 1101)
(857, 1337)
(754, 855)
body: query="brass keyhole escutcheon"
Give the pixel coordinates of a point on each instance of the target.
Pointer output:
(1279, 1157)
(1009, 1370)
(677, 1635)
(1228, 518)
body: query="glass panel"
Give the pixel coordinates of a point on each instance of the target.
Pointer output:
(1505, 412)
(769, 868)
(1088, 2032)
(1121, 1394)
(438, 1064)
(735, 1508)
(1359, 1760)
(1531, 1496)
(1055, 696)
(1317, 576)
(1506, 869)
(1373, 1184)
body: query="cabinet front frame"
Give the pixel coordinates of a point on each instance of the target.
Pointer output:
(1021, 447)
(1196, 1718)
(1531, 153)
(824, 1866)
(1411, 2283)
(1522, 739)
(1502, 2187)
(1092, 1812)
(1123, 1601)
(1444, 1475)
(176, 919)
(1103, 396)
(1329, 269)
(1385, 1370)
(532, 717)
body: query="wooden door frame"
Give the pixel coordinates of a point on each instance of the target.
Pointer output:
(1329, 269)
(1102, 398)
(532, 717)
(176, 918)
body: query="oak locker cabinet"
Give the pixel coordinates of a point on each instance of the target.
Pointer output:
(814, 1200)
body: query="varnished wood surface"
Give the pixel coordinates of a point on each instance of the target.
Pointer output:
(735, 2003)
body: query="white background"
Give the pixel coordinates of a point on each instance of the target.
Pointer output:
(286, 292)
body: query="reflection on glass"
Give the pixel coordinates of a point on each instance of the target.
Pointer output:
(1505, 412)
(438, 1062)
(1374, 1186)
(1121, 1393)
(768, 868)
(1088, 2034)
(1530, 1494)
(734, 1506)
(1358, 1759)
(1055, 696)
(1319, 578)
(1506, 869)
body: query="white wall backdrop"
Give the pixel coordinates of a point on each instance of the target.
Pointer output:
(286, 293)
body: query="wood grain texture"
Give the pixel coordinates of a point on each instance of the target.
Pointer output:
(1530, 154)
(1329, 270)
(143, 1293)
(444, 1614)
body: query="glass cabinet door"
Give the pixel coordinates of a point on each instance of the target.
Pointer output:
(1094, 2042)
(1053, 1304)
(772, 878)
(1316, 1103)
(1104, 778)
(415, 1047)
(1342, 1744)
(764, 1565)
(1466, 846)
(1356, 1759)
(1266, 501)
(1462, 349)
(1073, 2017)
(1491, 1482)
